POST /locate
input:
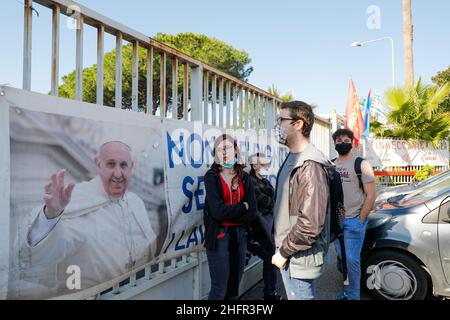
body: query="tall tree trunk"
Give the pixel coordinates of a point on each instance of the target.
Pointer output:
(408, 42)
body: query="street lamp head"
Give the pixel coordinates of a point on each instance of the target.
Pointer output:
(357, 44)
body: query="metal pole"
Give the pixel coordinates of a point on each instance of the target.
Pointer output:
(393, 61)
(359, 44)
(27, 32)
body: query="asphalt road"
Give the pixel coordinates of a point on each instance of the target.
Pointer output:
(327, 286)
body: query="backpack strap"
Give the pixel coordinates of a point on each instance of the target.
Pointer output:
(358, 171)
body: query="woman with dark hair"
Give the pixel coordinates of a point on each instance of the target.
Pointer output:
(229, 207)
(262, 242)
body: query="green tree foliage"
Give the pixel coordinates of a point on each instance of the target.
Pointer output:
(208, 50)
(440, 79)
(424, 173)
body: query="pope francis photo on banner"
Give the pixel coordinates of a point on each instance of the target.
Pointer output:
(98, 225)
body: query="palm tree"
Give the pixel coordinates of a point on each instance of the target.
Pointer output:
(416, 113)
(408, 42)
(285, 97)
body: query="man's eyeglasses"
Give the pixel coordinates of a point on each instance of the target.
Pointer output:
(280, 119)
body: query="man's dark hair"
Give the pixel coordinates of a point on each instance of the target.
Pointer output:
(343, 132)
(300, 110)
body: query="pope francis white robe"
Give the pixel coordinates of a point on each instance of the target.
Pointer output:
(104, 237)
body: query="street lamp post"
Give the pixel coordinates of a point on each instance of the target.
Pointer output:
(361, 43)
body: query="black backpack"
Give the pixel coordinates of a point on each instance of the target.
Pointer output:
(337, 215)
(337, 210)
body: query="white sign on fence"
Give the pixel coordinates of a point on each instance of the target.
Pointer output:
(390, 152)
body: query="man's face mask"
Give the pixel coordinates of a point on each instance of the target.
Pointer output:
(280, 134)
(343, 148)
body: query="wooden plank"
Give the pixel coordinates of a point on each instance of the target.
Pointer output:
(228, 98)
(135, 76)
(100, 63)
(257, 111)
(235, 108)
(196, 93)
(174, 88)
(252, 110)
(185, 91)
(206, 97)
(214, 100)
(55, 52)
(149, 108)
(162, 85)
(241, 108)
(246, 109)
(221, 104)
(119, 71)
(79, 60)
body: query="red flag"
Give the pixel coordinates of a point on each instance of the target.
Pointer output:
(353, 114)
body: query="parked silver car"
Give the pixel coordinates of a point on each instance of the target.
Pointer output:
(407, 246)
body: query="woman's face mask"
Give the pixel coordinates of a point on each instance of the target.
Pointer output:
(229, 165)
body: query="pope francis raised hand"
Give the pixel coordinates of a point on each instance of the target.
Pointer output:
(97, 225)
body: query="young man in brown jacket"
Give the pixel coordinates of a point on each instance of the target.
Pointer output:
(301, 213)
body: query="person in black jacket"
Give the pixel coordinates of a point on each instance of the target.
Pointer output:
(229, 207)
(262, 243)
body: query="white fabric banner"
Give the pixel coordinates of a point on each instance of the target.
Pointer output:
(188, 155)
(390, 152)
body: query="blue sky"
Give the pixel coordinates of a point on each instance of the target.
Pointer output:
(300, 46)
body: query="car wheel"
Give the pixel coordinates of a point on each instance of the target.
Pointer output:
(393, 275)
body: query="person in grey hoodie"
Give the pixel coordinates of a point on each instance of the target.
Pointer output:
(301, 212)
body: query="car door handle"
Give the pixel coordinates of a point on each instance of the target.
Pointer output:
(446, 220)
